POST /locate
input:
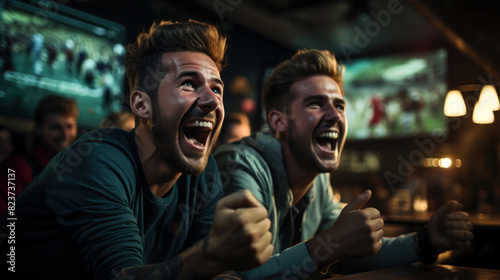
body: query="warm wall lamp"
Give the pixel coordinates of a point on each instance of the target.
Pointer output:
(454, 105)
(487, 103)
(490, 97)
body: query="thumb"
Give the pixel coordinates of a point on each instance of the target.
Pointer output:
(240, 199)
(359, 201)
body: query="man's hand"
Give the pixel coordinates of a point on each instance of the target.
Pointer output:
(239, 240)
(240, 237)
(449, 228)
(356, 233)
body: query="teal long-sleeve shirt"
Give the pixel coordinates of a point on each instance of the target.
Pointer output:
(256, 164)
(91, 213)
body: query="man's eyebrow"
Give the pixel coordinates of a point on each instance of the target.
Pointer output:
(198, 76)
(321, 96)
(314, 97)
(340, 100)
(188, 74)
(218, 81)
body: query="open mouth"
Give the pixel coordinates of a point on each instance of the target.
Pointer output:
(197, 132)
(327, 140)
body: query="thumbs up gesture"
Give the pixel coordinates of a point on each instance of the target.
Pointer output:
(356, 233)
(359, 230)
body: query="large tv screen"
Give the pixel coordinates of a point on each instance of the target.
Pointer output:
(396, 96)
(48, 48)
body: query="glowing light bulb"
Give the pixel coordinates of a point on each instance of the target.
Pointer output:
(454, 105)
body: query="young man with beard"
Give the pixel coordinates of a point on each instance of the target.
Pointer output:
(287, 172)
(144, 204)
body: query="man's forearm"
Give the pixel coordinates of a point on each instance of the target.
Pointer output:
(168, 270)
(190, 264)
(323, 250)
(292, 263)
(395, 251)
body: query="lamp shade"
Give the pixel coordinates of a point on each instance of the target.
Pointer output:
(489, 97)
(454, 105)
(483, 114)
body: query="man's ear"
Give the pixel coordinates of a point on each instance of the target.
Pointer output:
(140, 104)
(278, 121)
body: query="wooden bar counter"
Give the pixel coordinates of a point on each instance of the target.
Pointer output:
(417, 272)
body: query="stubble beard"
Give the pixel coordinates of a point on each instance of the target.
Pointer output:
(167, 144)
(311, 162)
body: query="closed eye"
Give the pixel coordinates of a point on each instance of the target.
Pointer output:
(314, 104)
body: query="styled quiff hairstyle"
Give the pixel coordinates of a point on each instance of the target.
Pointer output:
(304, 63)
(143, 61)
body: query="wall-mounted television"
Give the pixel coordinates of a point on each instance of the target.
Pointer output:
(49, 48)
(396, 96)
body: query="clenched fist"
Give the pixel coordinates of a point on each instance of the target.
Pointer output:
(240, 236)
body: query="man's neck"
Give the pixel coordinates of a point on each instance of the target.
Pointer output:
(299, 178)
(160, 175)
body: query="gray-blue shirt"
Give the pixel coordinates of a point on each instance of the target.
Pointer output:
(256, 164)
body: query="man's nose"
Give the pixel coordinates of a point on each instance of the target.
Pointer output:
(67, 133)
(332, 114)
(209, 100)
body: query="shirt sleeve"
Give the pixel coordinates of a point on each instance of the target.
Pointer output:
(91, 195)
(331, 208)
(293, 263)
(242, 169)
(209, 191)
(395, 251)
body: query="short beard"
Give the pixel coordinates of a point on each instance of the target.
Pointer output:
(313, 163)
(165, 141)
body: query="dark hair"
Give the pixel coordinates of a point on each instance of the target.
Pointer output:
(304, 63)
(51, 104)
(143, 60)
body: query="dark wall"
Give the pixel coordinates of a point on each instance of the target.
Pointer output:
(249, 54)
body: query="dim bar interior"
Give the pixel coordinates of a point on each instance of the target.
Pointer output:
(403, 60)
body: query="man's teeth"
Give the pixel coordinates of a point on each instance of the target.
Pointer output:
(329, 135)
(200, 123)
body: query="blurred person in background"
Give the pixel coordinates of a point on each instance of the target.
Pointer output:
(55, 129)
(5, 143)
(236, 126)
(122, 119)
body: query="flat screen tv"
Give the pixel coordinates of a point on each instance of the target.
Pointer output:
(48, 48)
(396, 96)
